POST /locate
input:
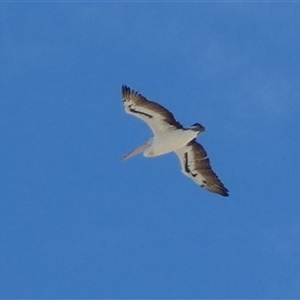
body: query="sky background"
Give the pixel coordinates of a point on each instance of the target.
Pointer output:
(75, 222)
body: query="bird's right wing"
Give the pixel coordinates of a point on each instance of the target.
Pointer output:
(155, 115)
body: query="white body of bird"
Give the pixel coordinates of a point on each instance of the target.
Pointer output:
(169, 141)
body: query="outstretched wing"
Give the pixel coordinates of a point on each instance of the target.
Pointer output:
(155, 115)
(196, 165)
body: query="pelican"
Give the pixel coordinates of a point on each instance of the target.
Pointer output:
(171, 136)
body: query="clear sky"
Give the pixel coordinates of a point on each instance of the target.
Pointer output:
(75, 222)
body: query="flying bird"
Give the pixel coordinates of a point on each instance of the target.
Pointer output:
(171, 136)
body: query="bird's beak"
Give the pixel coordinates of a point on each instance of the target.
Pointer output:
(136, 151)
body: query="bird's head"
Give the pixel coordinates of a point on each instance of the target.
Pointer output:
(197, 127)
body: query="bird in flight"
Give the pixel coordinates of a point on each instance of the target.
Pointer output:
(171, 136)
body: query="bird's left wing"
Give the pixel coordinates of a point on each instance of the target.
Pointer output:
(155, 115)
(196, 165)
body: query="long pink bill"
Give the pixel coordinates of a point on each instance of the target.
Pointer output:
(136, 151)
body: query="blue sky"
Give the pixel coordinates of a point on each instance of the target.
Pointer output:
(78, 223)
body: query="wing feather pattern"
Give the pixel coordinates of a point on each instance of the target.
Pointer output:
(155, 115)
(196, 165)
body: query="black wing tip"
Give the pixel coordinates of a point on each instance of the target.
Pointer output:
(125, 89)
(221, 190)
(224, 193)
(126, 92)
